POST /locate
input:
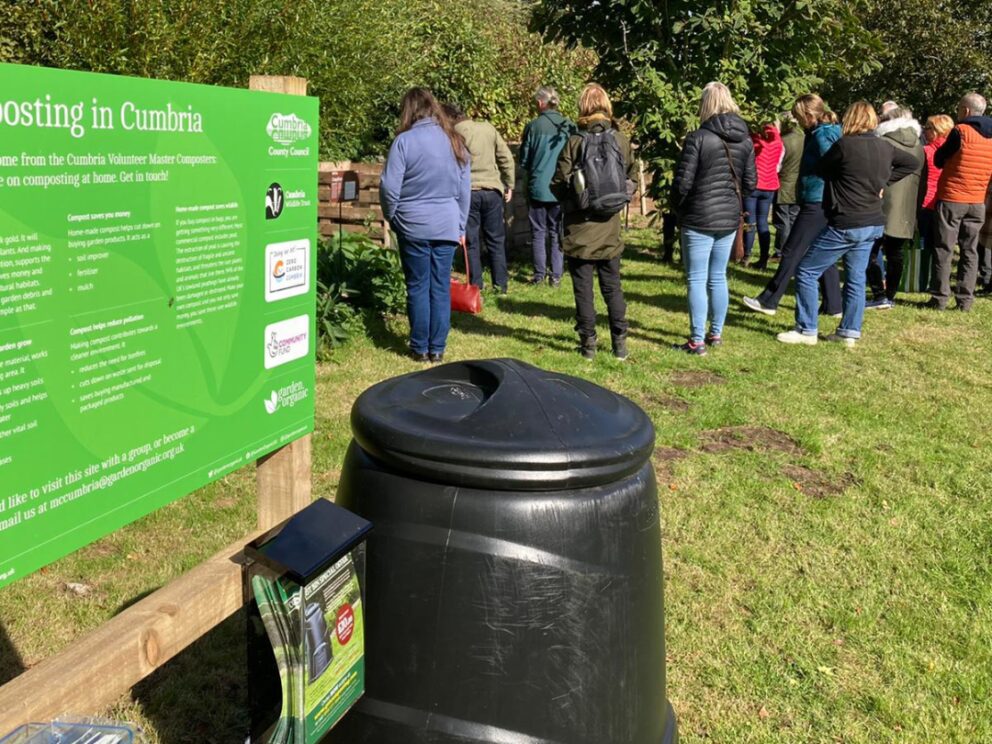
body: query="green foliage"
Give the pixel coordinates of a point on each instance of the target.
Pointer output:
(355, 276)
(656, 56)
(933, 51)
(359, 56)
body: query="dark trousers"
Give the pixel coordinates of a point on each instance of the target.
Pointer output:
(810, 222)
(608, 271)
(785, 217)
(926, 220)
(485, 222)
(545, 229)
(757, 206)
(668, 224)
(887, 285)
(957, 224)
(985, 264)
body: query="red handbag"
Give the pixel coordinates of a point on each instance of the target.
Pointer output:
(465, 298)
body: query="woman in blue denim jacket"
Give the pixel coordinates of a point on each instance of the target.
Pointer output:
(425, 193)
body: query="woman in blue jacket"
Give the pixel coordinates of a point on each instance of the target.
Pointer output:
(425, 193)
(821, 133)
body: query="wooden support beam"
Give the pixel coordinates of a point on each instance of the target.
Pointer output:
(284, 482)
(294, 86)
(95, 671)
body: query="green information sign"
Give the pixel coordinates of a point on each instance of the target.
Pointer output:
(157, 259)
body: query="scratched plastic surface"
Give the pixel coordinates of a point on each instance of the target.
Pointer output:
(514, 577)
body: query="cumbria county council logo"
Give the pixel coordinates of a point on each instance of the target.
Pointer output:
(286, 129)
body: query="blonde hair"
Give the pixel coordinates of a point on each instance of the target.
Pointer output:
(859, 118)
(716, 100)
(594, 100)
(941, 124)
(809, 110)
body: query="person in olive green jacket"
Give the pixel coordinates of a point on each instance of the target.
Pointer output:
(786, 203)
(492, 187)
(899, 203)
(593, 244)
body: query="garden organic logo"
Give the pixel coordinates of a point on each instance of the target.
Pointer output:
(274, 201)
(286, 129)
(272, 403)
(286, 397)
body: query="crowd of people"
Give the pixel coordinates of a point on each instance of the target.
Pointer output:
(851, 191)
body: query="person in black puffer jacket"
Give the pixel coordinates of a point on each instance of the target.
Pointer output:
(716, 171)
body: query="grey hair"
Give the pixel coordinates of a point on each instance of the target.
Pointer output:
(897, 112)
(974, 102)
(716, 99)
(547, 95)
(887, 107)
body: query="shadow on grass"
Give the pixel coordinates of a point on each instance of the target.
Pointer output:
(11, 664)
(384, 337)
(201, 695)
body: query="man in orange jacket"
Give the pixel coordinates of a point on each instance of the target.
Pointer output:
(966, 159)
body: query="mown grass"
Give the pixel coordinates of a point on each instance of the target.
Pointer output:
(826, 521)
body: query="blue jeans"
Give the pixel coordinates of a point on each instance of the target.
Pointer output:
(545, 226)
(854, 246)
(706, 254)
(427, 268)
(757, 206)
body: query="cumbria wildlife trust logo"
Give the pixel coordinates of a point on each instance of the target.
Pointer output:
(286, 129)
(274, 201)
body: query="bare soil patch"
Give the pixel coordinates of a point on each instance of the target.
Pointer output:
(817, 484)
(695, 378)
(664, 458)
(748, 438)
(669, 402)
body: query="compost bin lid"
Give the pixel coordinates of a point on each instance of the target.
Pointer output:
(502, 424)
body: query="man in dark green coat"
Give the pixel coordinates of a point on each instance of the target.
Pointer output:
(786, 203)
(543, 141)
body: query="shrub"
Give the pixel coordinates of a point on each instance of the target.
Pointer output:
(355, 278)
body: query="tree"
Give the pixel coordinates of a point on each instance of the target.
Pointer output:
(656, 56)
(359, 56)
(932, 52)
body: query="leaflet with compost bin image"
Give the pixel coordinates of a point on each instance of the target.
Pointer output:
(318, 638)
(156, 311)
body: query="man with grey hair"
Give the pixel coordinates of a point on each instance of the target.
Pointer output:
(543, 140)
(966, 159)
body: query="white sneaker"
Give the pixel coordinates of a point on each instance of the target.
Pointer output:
(795, 337)
(753, 304)
(848, 342)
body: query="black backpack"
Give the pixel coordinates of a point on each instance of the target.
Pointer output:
(600, 177)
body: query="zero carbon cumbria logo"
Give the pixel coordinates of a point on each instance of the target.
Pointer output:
(274, 201)
(286, 129)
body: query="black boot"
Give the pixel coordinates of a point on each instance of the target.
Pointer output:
(587, 347)
(620, 346)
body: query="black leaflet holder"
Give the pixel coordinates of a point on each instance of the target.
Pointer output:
(304, 585)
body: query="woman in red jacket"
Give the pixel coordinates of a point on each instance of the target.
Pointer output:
(767, 157)
(935, 131)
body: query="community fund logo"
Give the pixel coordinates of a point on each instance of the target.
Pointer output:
(287, 341)
(274, 201)
(287, 129)
(286, 397)
(287, 269)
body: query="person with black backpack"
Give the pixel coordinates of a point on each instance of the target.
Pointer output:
(594, 181)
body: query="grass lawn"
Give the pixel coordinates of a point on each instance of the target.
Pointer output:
(826, 520)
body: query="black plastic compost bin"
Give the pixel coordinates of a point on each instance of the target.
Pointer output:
(514, 579)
